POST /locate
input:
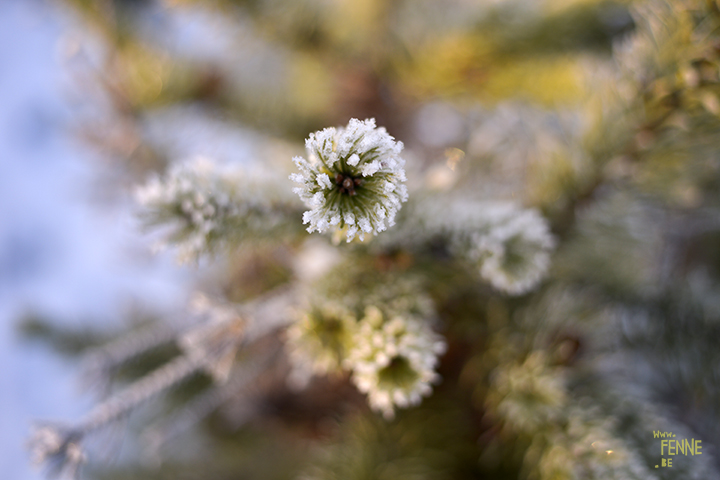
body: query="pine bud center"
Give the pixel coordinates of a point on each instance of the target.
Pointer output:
(347, 184)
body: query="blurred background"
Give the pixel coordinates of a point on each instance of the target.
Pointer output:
(70, 251)
(601, 114)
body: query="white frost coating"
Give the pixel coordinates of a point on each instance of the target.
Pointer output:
(370, 168)
(351, 173)
(323, 180)
(364, 225)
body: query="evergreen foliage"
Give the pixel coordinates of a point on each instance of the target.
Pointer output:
(530, 292)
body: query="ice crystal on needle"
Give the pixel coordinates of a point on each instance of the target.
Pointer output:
(353, 181)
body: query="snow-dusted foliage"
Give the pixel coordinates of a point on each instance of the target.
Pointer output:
(511, 246)
(208, 205)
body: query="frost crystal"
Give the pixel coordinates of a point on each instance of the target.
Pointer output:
(393, 360)
(353, 181)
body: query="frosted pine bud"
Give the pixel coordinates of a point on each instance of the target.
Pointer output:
(352, 181)
(530, 395)
(319, 342)
(393, 360)
(510, 245)
(515, 252)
